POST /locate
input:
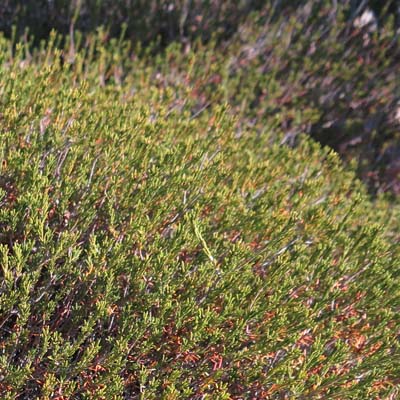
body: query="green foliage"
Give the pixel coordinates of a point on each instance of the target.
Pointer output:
(151, 250)
(306, 65)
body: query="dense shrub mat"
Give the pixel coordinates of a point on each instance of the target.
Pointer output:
(151, 251)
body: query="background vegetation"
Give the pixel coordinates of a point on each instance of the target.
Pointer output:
(170, 228)
(171, 20)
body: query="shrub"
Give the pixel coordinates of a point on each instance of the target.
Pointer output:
(307, 63)
(148, 251)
